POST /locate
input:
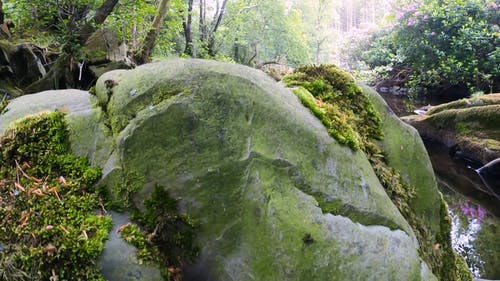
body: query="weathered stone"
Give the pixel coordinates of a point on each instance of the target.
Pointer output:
(406, 153)
(246, 159)
(247, 162)
(104, 46)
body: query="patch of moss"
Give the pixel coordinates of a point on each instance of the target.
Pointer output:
(147, 251)
(339, 103)
(462, 128)
(485, 117)
(170, 235)
(3, 102)
(50, 230)
(119, 197)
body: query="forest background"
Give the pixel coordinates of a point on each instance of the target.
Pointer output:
(429, 46)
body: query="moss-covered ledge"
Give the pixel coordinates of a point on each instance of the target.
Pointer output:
(356, 116)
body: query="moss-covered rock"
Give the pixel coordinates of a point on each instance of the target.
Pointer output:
(273, 195)
(47, 204)
(88, 133)
(267, 190)
(469, 125)
(358, 117)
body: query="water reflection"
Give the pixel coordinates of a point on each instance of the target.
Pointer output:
(475, 235)
(464, 233)
(460, 176)
(474, 211)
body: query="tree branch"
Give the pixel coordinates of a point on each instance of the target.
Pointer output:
(144, 54)
(219, 17)
(100, 16)
(3, 26)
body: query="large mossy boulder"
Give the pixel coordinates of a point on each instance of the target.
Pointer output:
(250, 163)
(272, 195)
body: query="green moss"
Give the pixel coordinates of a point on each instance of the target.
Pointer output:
(147, 251)
(171, 241)
(3, 103)
(49, 226)
(484, 100)
(92, 91)
(339, 103)
(119, 196)
(492, 144)
(350, 118)
(462, 128)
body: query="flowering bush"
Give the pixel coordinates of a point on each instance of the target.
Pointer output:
(474, 212)
(444, 44)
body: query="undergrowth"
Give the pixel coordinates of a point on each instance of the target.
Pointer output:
(162, 236)
(49, 226)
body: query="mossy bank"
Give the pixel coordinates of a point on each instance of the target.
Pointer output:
(470, 126)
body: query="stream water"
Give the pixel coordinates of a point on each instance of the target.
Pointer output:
(475, 214)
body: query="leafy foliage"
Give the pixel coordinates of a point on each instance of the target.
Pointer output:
(261, 31)
(47, 206)
(132, 20)
(443, 44)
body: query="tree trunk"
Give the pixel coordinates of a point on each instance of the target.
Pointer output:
(134, 36)
(202, 22)
(3, 26)
(103, 11)
(236, 48)
(60, 75)
(144, 54)
(100, 16)
(188, 50)
(215, 25)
